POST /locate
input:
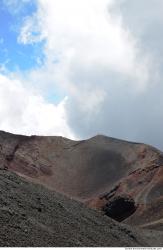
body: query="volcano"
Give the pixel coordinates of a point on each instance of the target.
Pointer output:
(119, 179)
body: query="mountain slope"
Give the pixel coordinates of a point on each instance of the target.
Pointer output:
(102, 172)
(33, 216)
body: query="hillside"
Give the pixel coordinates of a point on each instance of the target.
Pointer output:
(122, 179)
(33, 216)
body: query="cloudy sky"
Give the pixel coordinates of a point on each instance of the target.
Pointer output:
(78, 68)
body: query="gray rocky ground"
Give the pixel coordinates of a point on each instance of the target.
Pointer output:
(33, 216)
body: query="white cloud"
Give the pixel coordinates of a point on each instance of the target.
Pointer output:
(24, 111)
(30, 33)
(84, 32)
(99, 57)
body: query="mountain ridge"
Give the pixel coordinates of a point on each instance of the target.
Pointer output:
(89, 170)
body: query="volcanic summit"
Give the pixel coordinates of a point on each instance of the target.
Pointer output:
(118, 183)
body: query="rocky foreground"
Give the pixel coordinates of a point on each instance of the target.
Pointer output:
(31, 215)
(118, 179)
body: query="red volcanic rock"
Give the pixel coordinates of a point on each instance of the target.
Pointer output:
(97, 171)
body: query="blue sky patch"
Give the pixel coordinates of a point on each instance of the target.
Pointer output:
(13, 55)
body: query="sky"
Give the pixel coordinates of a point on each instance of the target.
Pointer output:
(78, 68)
